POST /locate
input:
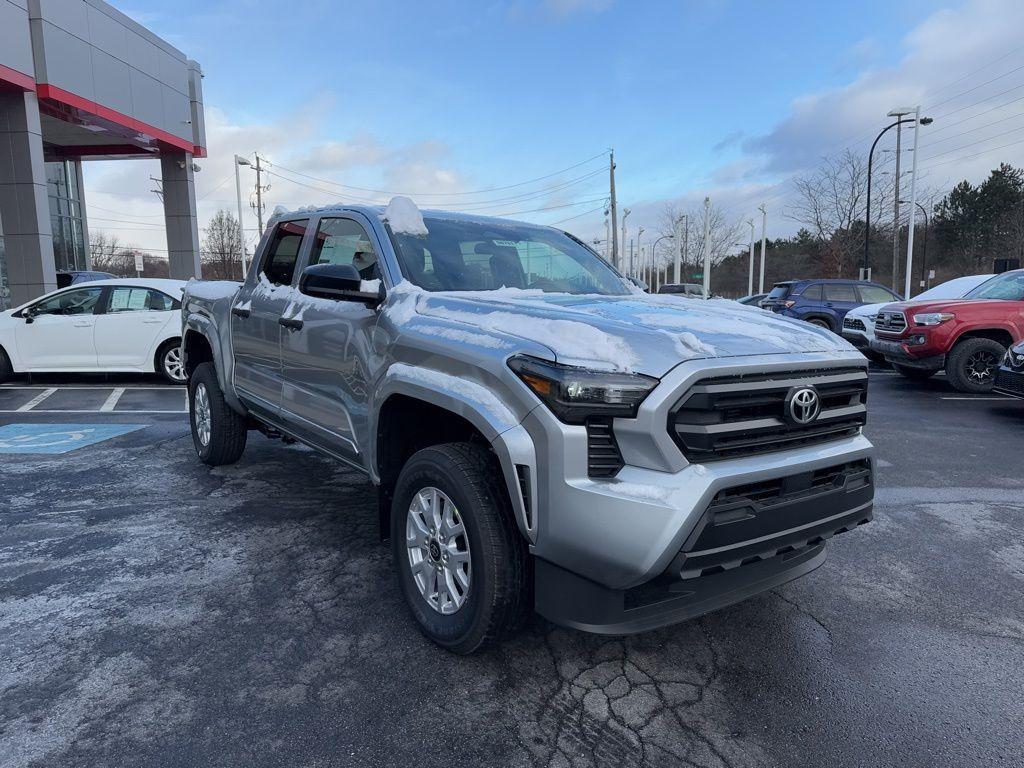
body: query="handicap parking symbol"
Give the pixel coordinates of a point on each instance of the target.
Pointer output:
(58, 438)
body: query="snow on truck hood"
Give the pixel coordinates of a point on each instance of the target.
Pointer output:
(642, 333)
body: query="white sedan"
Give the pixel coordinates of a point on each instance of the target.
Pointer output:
(120, 325)
(859, 322)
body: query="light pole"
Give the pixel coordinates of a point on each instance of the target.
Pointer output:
(924, 249)
(913, 202)
(750, 274)
(867, 215)
(764, 242)
(654, 249)
(643, 261)
(679, 246)
(238, 193)
(632, 265)
(707, 248)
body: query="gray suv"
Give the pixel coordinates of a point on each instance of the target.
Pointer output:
(542, 435)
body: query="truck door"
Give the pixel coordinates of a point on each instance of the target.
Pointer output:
(327, 352)
(256, 315)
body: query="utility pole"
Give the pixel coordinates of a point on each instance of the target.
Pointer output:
(896, 217)
(707, 248)
(259, 196)
(678, 247)
(614, 209)
(750, 275)
(607, 239)
(764, 242)
(642, 261)
(630, 270)
(913, 202)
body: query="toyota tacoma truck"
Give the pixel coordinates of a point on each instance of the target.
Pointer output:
(966, 337)
(542, 434)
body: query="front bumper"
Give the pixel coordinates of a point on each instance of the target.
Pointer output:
(858, 338)
(1009, 382)
(898, 352)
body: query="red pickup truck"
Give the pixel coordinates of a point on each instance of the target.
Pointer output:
(967, 337)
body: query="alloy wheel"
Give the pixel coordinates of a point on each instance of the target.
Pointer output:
(173, 364)
(201, 413)
(981, 366)
(438, 550)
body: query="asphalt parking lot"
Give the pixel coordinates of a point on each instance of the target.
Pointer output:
(157, 612)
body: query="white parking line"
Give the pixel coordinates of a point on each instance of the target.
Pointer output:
(112, 413)
(112, 399)
(36, 400)
(976, 397)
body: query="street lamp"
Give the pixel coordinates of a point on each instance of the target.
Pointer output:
(654, 248)
(239, 161)
(924, 249)
(867, 217)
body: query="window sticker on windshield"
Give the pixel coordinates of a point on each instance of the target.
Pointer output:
(506, 243)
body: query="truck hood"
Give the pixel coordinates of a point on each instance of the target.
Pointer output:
(950, 305)
(643, 333)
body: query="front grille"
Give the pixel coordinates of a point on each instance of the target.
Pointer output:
(891, 322)
(603, 456)
(853, 324)
(726, 416)
(1008, 381)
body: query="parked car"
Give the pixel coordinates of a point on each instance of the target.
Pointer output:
(824, 302)
(859, 323)
(1010, 376)
(690, 290)
(110, 326)
(967, 337)
(65, 279)
(753, 300)
(535, 426)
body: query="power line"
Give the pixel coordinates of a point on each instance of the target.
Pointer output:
(980, 101)
(578, 215)
(973, 130)
(974, 143)
(976, 87)
(973, 72)
(979, 154)
(947, 126)
(438, 194)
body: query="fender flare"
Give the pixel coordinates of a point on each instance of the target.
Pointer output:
(205, 327)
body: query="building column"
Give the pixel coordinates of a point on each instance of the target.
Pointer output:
(24, 207)
(180, 215)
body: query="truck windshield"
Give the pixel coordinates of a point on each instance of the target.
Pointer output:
(1008, 287)
(460, 255)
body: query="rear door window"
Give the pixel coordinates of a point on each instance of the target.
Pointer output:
(283, 252)
(874, 294)
(841, 292)
(812, 292)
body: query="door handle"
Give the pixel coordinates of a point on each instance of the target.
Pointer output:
(290, 323)
(82, 324)
(153, 320)
(240, 312)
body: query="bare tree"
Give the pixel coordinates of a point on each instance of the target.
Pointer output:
(222, 247)
(107, 254)
(723, 235)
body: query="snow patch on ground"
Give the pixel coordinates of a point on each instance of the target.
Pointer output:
(465, 388)
(404, 217)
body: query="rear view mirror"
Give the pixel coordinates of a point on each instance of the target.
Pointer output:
(339, 282)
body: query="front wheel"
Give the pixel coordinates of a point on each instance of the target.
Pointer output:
(461, 561)
(972, 365)
(916, 374)
(218, 432)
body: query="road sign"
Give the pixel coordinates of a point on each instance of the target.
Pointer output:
(139, 263)
(58, 438)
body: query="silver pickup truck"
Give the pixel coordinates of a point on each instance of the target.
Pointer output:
(542, 434)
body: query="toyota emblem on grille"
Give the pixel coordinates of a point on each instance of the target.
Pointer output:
(803, 405)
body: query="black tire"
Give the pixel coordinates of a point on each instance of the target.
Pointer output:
(916, 374)
(6, 369)
(967, 362)
(170, 365)
(227, 429)
(821, 322)
(498, 596)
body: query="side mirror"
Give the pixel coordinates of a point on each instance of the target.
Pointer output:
(340, 282)
(29, 315)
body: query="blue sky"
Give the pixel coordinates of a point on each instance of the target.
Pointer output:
(704, 97)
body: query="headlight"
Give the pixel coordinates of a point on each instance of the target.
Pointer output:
(1015, 358)
(573, 393)
(933, 318)
(872, 319)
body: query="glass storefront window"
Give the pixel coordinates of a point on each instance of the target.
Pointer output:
(69, 248)
(5, 288)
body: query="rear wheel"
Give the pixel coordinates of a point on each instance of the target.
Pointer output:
(821, 323)
(917, 374)
(169, 362)
(972, 365)
(6, 369)
(218, 432)
(461, 561)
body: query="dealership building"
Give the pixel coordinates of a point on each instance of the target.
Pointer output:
(79, 82)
